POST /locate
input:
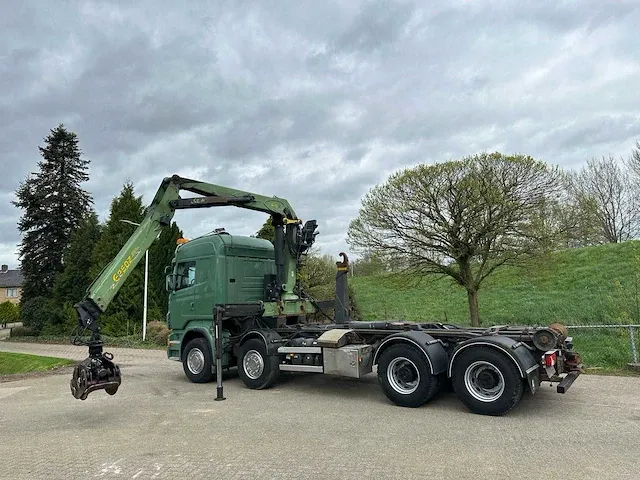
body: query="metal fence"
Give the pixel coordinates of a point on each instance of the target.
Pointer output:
(606, 346)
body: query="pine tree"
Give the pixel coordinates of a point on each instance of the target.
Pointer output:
(160, 256)
(53, 204)
(124, 314)
(72, 283)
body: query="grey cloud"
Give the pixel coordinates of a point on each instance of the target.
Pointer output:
(277, 100)
(597, 131)
(564, 16)
(378, 25)
(356, 154)
(296, 122)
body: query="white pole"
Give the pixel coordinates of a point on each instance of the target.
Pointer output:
(146, 285)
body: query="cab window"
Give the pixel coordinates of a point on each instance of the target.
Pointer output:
(185, 275)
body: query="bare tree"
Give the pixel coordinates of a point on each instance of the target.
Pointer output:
(634, 161)
(573, 223)
(633, 165)
(604, 190)
(462, 219)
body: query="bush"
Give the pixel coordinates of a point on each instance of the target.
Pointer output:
(8, 313)
(22, 332)
(38, 312)
(116, 324)
(158, 332)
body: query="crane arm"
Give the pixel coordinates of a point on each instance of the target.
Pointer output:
(159, 215)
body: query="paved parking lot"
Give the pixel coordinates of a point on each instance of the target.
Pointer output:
(161, 426)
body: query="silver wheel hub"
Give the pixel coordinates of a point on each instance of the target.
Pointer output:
(484, 381)
(195, 361)
(253, 364)
(403, 375)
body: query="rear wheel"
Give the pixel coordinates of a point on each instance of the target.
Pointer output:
(405, 376)
(256, 369)
(487, 381)
(197, 361)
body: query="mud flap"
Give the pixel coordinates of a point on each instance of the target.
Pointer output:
(533, 380)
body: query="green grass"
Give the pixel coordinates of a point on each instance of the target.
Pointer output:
(603, 350)
(586, 286)
(576, 287)
(12, 363)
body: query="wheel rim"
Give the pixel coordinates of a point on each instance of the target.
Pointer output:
(253, 364)
(195, 361)
(484, 381)
(403, 375)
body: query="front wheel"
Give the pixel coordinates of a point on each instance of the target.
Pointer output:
(256, 369)
(405, 376)
(487, 381)
(197, 361)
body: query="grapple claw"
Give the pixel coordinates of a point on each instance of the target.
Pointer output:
(95, 373)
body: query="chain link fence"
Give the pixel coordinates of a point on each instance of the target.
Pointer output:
(606, 347)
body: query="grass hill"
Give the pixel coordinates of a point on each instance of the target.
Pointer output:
(585, 286)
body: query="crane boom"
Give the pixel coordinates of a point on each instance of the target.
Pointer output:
(290, 243)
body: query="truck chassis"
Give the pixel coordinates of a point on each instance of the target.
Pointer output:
(488, 368)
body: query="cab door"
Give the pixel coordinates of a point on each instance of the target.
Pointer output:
(183, 299)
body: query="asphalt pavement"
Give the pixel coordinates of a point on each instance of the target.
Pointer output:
(159, 425)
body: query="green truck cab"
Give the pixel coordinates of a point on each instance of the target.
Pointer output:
(217, 268)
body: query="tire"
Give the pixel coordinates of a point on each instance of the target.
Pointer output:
(487, 381)
(256, 369)
(197, 361)
(405, 377)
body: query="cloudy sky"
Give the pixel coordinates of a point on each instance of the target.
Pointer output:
(312, 101)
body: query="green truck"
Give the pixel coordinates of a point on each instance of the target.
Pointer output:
(236, 302)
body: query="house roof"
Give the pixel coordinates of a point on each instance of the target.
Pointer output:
(11, 278)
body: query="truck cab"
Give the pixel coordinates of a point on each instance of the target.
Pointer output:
(217, 268)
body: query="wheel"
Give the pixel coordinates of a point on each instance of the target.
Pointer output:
(405, 377)
(197, 361)
(487, 381)
(256, 369)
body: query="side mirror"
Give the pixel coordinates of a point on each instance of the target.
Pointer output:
(170, 283)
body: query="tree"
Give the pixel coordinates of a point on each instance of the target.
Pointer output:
(633, 167)
(633, 162)
(369, 264)
(124, 314)
(267, 231)
(604, 191)
(460, 219)
(160, 255)
(53, 204)
(317, 276)
(564, 222)
(317, 270)
(72, 283)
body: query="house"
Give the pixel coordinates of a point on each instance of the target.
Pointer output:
(10, 284)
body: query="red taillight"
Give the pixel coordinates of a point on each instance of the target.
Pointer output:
(550, 359)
